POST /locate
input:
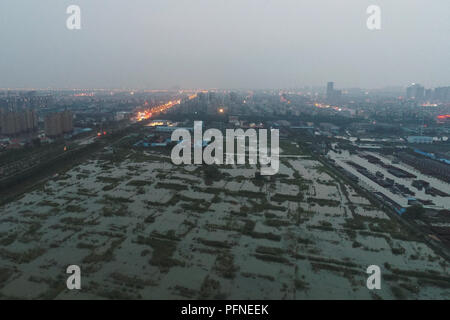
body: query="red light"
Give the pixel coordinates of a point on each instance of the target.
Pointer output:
(104, 132)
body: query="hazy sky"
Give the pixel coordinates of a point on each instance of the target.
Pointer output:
(223, 43)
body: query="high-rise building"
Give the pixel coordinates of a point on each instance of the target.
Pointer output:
(17, 122)
(59, 123)
(415, 91)
(67, 121)
(420, 93)
(330, 90)
(333, 95)
(442, 94)
(429, 94)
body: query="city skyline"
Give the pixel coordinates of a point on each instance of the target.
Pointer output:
(228, 44)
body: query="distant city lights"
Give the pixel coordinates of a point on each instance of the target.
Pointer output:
(147, 114)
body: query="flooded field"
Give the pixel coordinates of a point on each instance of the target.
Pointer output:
(140, 227)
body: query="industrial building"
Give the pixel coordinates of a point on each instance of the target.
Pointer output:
(427, 166)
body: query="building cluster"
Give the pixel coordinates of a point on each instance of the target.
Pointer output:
(30, 99)
(58, 123)
(16, 122)
(420, 93)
